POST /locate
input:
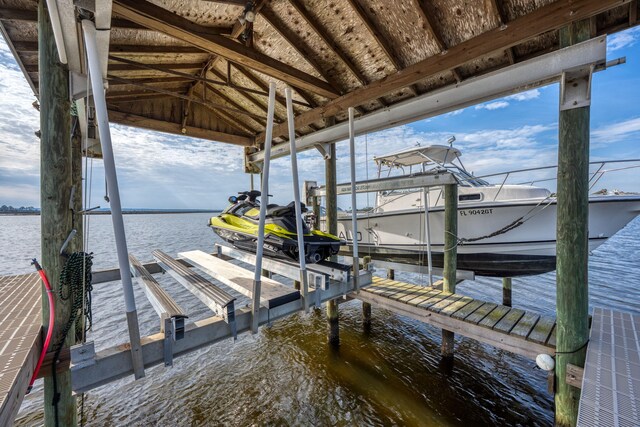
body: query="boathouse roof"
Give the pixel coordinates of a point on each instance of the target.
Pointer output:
(201, 68)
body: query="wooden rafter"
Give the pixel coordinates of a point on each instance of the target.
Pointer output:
(8, 14)
(28, 46)
(324, 36)
(233, 103)
(331, 44)
(242, 94)
(113, 95)
(207, 104)
(498, 9)
(142, 96)
(430, 23)
(192, 87)
(546, 18)
(159, 19)
(298, 45)
(175, 128)
(633, 12)
(378, 37)
(153, 80)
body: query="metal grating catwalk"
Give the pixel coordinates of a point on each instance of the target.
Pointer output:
(611, 382)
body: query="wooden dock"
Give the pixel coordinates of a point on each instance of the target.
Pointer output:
(511, 329)
(20, 340)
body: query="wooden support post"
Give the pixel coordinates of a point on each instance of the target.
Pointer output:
(366, 307)
(316, 213)
(506, 291)
(333, 336)
(55, 215)
(391, 274)
(572, 292)
(450, 256)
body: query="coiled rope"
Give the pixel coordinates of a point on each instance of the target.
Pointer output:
(74, 285)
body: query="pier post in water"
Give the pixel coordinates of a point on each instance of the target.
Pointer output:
(391, 274)
(55, 215)
(506, 291)
(572, 291)
(450, 256)
(333, 335)
(366, 307)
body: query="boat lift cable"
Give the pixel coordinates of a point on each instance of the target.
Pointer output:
(515, 224)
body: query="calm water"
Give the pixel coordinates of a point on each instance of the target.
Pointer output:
(287, 375)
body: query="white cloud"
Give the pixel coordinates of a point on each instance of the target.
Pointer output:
(616, 132)
(525, 96)
(492, 105)
(623, 39)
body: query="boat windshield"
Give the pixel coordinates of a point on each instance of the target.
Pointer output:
(429, 159)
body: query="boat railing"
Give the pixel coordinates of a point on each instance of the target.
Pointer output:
(594, 176)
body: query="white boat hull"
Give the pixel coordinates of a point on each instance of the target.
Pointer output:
(526, 249)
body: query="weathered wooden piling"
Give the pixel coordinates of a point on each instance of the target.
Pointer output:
(55, 215)
(572, 292)
(450, 256)
(366, 307)
(506, 291)
(333, 336)
(391, 274)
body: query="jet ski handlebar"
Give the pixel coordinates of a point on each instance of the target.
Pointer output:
(251, 195)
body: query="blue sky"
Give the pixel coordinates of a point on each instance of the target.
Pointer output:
(166, 171)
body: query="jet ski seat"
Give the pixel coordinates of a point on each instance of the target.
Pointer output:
(274, 211)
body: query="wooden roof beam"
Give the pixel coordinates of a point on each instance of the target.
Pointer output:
(378, 37)
(546, 18)
(498, 9)
(633, 12)
(139, 98)
(175, 128)
(8, 14)
(162, 20)
(32, 46)
(233, 103)
(323, 34)
(298, 45)
(430, 23)
(207, 104)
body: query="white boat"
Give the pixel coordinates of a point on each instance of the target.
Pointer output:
(503, 230)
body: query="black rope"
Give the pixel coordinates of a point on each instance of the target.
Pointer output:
(74, 285)
(574, 351)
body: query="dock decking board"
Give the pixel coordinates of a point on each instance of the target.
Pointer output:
(542, 330)
(21, 319)
(494, 324)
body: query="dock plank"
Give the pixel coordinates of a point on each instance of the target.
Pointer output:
(421, 292)
(525, 325)
(272, 293)
(433, 300)
(451, 309)
(542, 330)
(465, 311)
(444, 303)
(492, 318)
(509, 321)
(481, 312)
(20, 323)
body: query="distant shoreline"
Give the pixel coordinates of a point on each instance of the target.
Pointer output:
(128, 212)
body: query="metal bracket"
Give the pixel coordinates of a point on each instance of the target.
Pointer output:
(575, 87)
(79, 85)
(324, 149)
(231, 320)
(169, 337)
(83, 354)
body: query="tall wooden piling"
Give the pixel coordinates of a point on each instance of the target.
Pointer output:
(572, 292)
(366, 307)
(450, 256)
(55, 215)
(391, 274)
(333, 336)
(506, 291)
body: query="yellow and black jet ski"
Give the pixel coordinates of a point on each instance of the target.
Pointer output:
(238, 225)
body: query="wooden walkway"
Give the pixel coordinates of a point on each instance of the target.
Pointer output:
(611, 379)
(20, 325)
(512, 329)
